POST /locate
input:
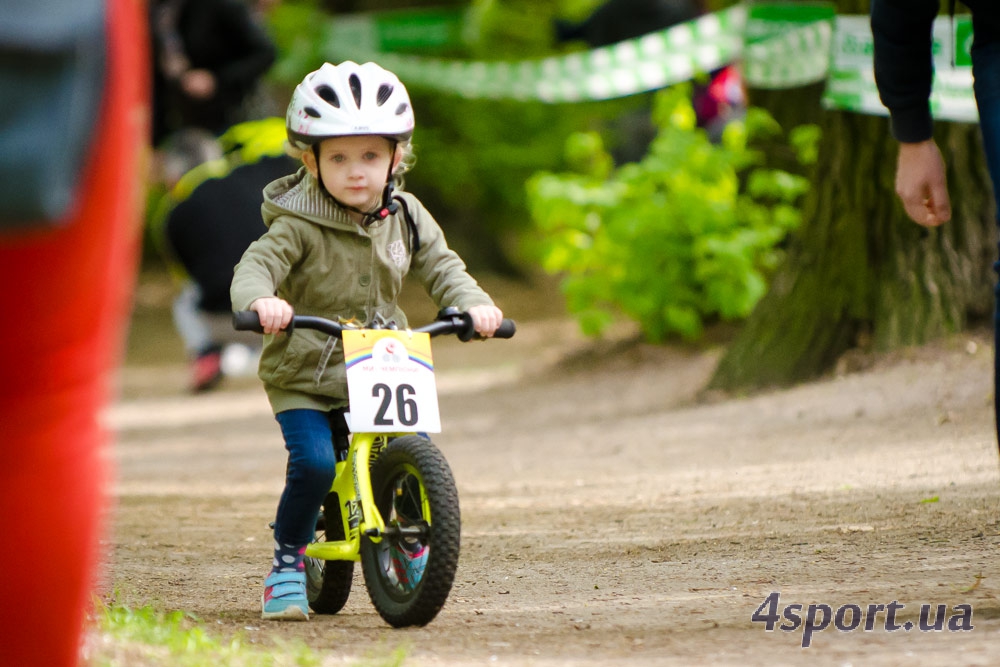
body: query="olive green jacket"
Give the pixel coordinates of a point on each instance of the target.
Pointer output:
(323, 263)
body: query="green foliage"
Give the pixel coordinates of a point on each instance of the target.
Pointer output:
(147, 636)
(690, 233)
(509, 29)
(297, 30)
(804, 140)
(519, 29)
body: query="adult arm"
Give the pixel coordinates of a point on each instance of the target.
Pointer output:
(902, 32)
(256, 50)
(903, 63)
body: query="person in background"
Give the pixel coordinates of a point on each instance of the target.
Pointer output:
(208, 57)
(904, 69)
(208, 218)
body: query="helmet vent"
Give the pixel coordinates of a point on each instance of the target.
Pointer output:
(401, 109)
(311, 111)
(327, 93)
(355, 84)
(384, 91)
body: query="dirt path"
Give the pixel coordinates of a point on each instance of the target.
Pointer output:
(610, 514)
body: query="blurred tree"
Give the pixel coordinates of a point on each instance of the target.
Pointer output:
(859, 273)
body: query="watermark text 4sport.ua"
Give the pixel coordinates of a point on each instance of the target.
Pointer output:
(868, 617)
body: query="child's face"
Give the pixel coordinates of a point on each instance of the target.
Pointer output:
(354, 169)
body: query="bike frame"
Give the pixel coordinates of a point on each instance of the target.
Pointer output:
(352, 481)
(358, 512)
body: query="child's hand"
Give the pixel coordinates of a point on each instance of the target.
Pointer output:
(274, 313)
(485, 319)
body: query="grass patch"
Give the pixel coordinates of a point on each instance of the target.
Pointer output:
(122, 636)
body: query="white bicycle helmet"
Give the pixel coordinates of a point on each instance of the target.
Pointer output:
(348, 99)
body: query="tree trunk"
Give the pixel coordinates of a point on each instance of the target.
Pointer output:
(859, 273)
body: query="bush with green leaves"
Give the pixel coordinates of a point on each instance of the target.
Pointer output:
(688, 235)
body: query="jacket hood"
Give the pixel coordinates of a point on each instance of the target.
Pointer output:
(299, 194)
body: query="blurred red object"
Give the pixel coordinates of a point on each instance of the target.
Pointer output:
(67, 294)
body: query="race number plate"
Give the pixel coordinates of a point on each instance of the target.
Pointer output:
(390, 382)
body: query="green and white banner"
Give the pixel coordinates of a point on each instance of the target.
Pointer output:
(401, 30)
(787, 44)
(778, 44)
(851, 82)
(639, 65)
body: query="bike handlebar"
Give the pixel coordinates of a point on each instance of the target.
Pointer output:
(449, 321)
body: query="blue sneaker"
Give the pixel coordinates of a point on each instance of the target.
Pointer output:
(408, 565)
(284, 597)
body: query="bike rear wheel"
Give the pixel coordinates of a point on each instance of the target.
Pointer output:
(328, 582)
(410, 571)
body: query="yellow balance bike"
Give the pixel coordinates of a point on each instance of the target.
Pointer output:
(393, 504)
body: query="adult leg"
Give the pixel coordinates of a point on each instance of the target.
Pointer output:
(986, 70)
(199, 345)
(188, 321)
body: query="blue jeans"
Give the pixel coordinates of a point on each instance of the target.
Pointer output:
(311, 467)
(986, 71)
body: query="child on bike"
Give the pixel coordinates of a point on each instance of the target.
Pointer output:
(339, 242)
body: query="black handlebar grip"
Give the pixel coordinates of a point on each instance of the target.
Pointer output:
(247, 320)
(506, 329)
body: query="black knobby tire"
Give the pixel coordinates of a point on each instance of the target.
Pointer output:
(409, 477)
(328, 582)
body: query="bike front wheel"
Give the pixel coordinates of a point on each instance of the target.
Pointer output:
(410, 571)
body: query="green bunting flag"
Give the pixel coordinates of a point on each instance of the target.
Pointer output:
(777, 44)
(787, 45)
(851, 81)
(638, 65)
